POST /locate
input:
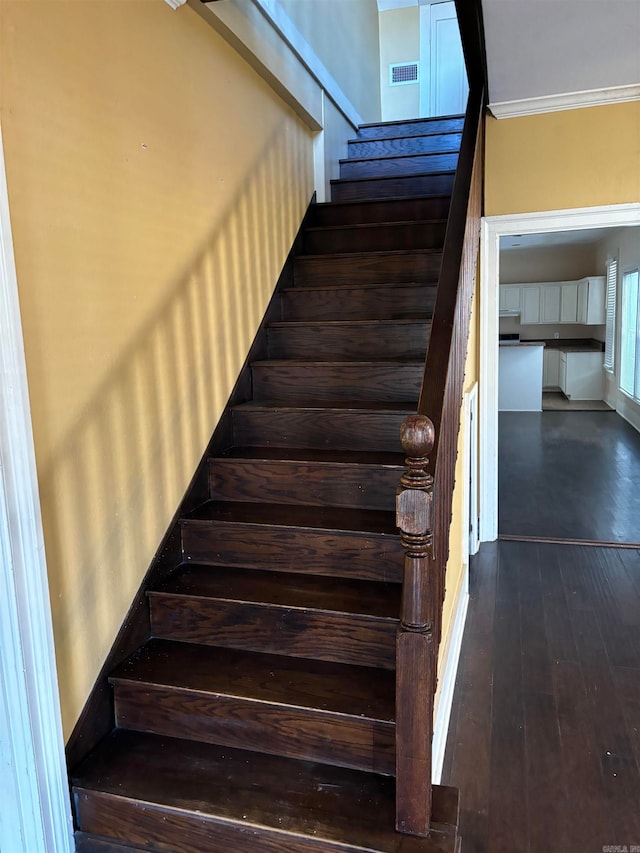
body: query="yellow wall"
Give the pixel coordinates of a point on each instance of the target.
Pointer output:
(345, 37)
(155, 186)
(456, 565)
(399, 42)
(574, 158)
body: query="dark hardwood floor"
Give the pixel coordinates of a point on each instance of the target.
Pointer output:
(569, 476)
(544, 741)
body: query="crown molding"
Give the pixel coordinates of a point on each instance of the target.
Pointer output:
(565, 101)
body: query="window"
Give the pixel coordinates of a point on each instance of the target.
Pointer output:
(610, 336)
(630, 336)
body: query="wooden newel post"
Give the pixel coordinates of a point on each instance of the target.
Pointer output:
(415, 654)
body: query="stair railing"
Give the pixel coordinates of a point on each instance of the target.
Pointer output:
(424, 498)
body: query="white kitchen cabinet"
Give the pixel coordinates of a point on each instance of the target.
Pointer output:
(509, 298)
(550, 303)
(569, 303)
(551, 369)
(581, 375)
(530, 304)
(555, 302)
(592, 301)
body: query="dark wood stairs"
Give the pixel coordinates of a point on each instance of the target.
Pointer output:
(259, 715)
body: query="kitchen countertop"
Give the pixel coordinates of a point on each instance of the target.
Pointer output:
(522, 343)
(574, 345)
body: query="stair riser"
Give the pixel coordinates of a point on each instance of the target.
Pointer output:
(305, 483)
(406, 340)
(391, 210)
(271, 629)
(178, 831)
(281, 549)
(412, 128)
(375, 238)
(418, 164)
(409, 185)
(378, 431)
(350, 382)
(405, 145)
(312, 734)
(409, 268)
(395, 302)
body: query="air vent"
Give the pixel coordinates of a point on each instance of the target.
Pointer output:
(402, 73)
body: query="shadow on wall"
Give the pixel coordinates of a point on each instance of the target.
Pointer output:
(118, 476)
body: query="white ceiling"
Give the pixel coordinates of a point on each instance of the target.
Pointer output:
(538, 48)
(583, 237)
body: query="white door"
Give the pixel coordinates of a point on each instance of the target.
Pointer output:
(443, 80)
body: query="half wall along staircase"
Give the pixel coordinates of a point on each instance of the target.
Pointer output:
(258, 711)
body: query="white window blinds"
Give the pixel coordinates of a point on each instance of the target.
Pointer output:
(610, 336)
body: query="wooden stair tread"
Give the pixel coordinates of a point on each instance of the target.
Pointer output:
(357, 140)
(335, 688)
(338, 457)
(393, 207)
(338, 324)
(426, 121)
(370, 256)
(376, 201)
(341, 406)
(338, 288)
(364, 226)
(295, 516)
(178, 781)
(395, 177)
(399, 156)
(352, 362)
(336, 595)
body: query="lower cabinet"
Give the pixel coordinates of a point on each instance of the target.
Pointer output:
(580, 375)
(551, 369)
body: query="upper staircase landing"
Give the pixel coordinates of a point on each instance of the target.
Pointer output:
(259, 715)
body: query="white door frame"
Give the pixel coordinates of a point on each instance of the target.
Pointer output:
(493, 228)
(471, 539)
(36, 808)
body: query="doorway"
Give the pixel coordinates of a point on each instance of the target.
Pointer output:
(422, 70)
(493, 229)
(443, 77)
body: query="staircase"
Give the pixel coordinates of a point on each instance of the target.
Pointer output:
(259, 715)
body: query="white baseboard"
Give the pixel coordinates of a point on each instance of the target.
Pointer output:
(628, 409)
(448, 680)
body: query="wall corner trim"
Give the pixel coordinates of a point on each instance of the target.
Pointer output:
(565, 101)
(237, 23)
(35, 788)
(448, 683)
